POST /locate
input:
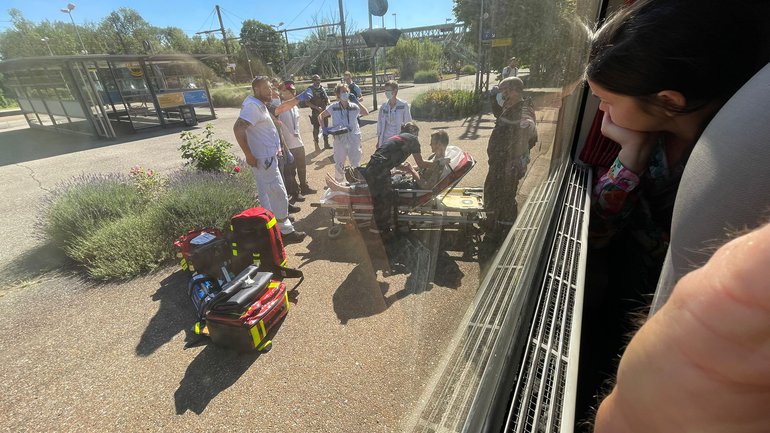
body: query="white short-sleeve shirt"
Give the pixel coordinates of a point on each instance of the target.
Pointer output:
(290, 128)
(347, 117)
(390, 119)
(262, 135)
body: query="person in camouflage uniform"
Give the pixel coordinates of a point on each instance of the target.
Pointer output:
(317, 104)
(515, 133)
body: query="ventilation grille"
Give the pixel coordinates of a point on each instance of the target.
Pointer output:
(448, 400)
(543, 398)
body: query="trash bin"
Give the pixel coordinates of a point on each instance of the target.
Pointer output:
(188, 115)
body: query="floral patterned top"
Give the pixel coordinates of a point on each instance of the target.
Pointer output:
(643, 204)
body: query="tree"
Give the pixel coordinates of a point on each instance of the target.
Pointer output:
(546, 34)
(263, 42)
(126, 31)
(411, 55)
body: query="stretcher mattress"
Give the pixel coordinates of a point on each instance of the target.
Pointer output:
(460, 163)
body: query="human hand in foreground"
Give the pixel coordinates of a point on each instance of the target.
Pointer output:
(636, 146)
(702, 363)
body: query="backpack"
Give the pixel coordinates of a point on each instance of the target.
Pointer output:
(256, 240)
(203, 251)
(202, 289)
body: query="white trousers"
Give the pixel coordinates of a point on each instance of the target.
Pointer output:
(346, 146)
(272, 192)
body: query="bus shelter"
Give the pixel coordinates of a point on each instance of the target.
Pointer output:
(109, 95)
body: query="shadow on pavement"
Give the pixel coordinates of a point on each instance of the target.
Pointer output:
(360, 295)
(472, 126)
(30, 264)
(22, 145)
(214, 370)
(175, 314)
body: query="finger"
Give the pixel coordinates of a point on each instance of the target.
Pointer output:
(703, 361)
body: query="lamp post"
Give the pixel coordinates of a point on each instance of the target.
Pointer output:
(68, 11)
(45, 41)
(395, 23)
(283, 50)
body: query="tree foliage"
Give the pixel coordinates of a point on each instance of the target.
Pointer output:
(410, 55)
(263, 42)
(548, 35)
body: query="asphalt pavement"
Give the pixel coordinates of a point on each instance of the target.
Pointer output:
(354, 354)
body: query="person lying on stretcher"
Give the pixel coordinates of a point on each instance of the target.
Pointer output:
(405, 176)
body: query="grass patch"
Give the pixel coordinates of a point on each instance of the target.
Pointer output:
(445, 105)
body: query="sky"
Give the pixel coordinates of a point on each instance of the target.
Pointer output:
(195, 15)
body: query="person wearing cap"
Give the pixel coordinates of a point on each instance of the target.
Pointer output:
(317, 104)
(344, 116)
(514, 134)
(258, 138)
(393, 113)
(290, 129)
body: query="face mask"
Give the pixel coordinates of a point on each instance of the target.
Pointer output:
(388, 94)
(275, 102)
(344, 96)
(500, 99)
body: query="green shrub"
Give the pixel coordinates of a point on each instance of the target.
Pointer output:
(229, 96)
(468, 70)
(148, 183)
(106, 225)
(445, 104)
(206, 153)
(426, 77)
(200, 199)
(121, 249)
(85, 203)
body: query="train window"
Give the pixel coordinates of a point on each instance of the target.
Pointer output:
(411, 330)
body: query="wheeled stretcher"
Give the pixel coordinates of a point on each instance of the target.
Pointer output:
(439, 207)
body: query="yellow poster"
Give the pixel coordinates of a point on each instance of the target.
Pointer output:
(502, 42)
(168, 100)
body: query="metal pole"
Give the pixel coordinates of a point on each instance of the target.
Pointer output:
(374, 78)
(47, 45)
(82, 45)
(224, 34)
(344, 42)
(478, 56)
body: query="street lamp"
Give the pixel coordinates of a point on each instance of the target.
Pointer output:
(68, 11)
(283, 54)
(45, 41)
(395, 25)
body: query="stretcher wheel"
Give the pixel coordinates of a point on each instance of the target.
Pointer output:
(335, 231)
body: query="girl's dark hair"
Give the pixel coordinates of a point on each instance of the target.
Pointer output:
(704, 49)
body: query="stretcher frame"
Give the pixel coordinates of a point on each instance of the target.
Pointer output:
(452, 206)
